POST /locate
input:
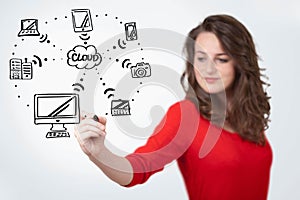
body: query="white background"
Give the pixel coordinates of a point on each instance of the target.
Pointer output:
(35, 168)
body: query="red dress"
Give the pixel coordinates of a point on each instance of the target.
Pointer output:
(233, 169)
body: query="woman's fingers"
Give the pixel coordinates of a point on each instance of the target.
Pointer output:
(83, 135)
(91, 134)
(92, 128)
(91, 122)
(89, 128)
(102, 120)
(84, 115)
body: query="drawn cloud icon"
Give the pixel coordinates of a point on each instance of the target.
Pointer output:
(83, 57)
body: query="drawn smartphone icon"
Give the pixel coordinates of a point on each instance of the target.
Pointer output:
(131, 32)
(82, 20)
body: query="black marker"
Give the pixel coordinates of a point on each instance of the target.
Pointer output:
(96, 118)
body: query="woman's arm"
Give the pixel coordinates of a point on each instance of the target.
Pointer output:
(90, 135)
(117, 168)
(169, 141)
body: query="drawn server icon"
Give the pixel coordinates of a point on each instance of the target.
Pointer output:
(120, 107)
(26, 71)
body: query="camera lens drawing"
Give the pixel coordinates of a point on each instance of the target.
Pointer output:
(140, 70)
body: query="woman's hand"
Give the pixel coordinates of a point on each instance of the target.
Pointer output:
(91, 134)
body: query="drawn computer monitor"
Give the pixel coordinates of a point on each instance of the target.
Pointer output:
(57, 110)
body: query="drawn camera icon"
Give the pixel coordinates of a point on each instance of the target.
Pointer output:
(141, 70)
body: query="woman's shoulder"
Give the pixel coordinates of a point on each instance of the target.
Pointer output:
(184, 105)
(183, 112)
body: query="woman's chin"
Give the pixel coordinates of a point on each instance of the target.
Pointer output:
(213, 90)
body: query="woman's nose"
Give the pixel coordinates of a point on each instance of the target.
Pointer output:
(210, 67)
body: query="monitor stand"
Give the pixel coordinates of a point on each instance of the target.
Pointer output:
(57, 131)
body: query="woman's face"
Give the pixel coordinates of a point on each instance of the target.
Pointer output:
(213, 68)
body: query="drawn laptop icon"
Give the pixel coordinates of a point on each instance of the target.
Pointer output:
(29, 27)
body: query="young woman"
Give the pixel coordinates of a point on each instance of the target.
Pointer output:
(219, 159)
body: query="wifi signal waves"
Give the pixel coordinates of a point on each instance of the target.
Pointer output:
(77, 87)
(84, 36)
(109, 90)
(39, 60)
(120, 45)
(43, 38)
(126, 65)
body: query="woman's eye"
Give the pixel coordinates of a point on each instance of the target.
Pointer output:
(222, 60)
(201, 59)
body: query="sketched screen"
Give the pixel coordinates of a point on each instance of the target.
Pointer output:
(82, 21)
(59, 106)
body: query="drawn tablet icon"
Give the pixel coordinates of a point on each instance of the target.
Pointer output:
(120, 107)
(82, 20)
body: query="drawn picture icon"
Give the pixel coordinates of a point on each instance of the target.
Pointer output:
(56, 110)
(120, 107)
(82, 20)
(20, 70)
(29, 27)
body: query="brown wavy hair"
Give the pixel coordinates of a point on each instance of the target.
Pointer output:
(249, 108)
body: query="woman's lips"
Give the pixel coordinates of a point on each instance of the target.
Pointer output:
(211, 79)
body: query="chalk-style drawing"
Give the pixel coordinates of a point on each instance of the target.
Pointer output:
(82, 20)
(122, 45)
(120, 107)
(109, 90)
(29, 27)
(125, 64)
(20, 70)
(130, 31)
(56, 109)
(141, 70)
(78, 87)
(38, 59)
(83, 57)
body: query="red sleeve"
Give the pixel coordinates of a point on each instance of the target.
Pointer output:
(170, 140)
